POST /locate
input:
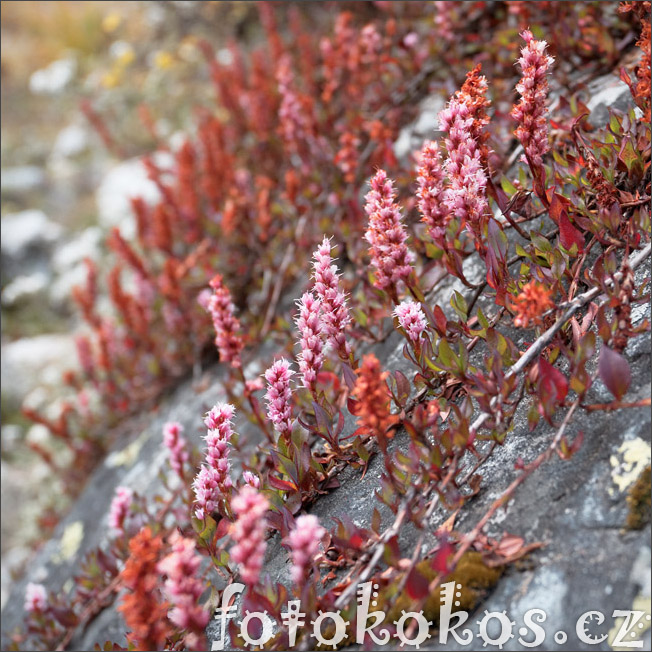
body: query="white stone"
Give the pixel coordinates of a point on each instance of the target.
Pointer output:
(21, 179)
(85, 245)
(123, 182)
(26, 229)
(61, 288)
(27, 362)
(70, 141)
(23, 287)
(53, 78)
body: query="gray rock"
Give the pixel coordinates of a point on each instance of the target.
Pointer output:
(604, 93)
(411, 137)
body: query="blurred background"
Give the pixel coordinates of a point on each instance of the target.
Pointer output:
(67, 177)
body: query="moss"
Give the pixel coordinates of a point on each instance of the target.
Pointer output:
(471, 572)
(639, 501)
(476, 578)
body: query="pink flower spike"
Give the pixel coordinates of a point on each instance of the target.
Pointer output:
(309, 324)
(333, 301)
(386, 235)
(36, 598)
(430, 181)
(531, 112)
(176, 445)
(183, 588)
(465, 197)
(227, 327)
(120, 508)
(279, 396)
(248, 532)
(213, 481)
(303, 542)
(411, 318)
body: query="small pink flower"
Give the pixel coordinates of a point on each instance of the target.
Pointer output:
(252, 386)
(35, 598)
(531, 112)
(183, 588)
(176, 445)
(279, 396)
(228, 339)
(120, 508)
(411, 318)
(248, 532)
(333, 301)
(251, 479)
(310, 326)
(204, 298)
(386, 235)
(303, 542)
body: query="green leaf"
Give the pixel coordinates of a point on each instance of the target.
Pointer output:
(507, 186)
(458, 302)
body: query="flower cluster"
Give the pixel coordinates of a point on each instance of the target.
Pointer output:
(465, 196)
(310, 326)
(279, 396)
(335, 313)
(184, 589)
(213, 480)
(248, 532)
(411, 319)
(176, 445)
(227, 327)
(531, 112)
(143, 610)
(473, 94)
(373, 397)
(303, 542)
(386, 235)
(533, 300)
(120, 508)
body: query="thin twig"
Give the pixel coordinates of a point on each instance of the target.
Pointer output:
(543, 340)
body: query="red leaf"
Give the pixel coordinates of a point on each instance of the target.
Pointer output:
(416, 585)
(568, 234)
(222, 529)
(328, 377)
(440, 560)
(440, 320)
(614, 372)
(552, 381)
(558, 204)
(283, 485)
